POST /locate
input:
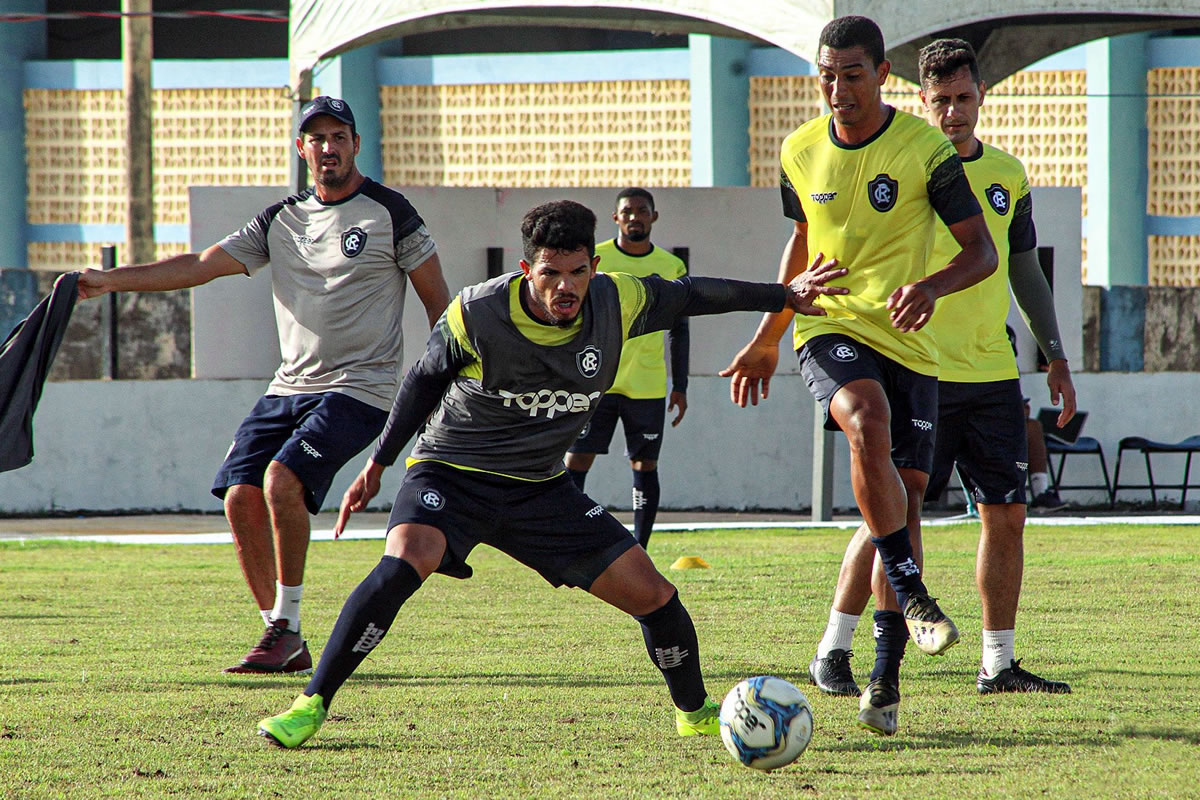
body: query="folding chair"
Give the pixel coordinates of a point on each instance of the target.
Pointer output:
(1063, 442)
(1146, 446)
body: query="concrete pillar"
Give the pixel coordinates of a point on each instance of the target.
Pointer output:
(18, 44)
(352, 76)
(1117, 152)
(137, 48)
(720, 89)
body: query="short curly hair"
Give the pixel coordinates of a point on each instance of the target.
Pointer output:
(854, 31)
(561, 225)
(941, 60)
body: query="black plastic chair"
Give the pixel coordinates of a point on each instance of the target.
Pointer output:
(1146, 447)
(1084, 445)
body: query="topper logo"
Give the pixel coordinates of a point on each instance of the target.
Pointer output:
(551, 401)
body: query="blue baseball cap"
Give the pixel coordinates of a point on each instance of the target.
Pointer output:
(331, 106)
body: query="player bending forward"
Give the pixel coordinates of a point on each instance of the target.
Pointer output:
(511, 374)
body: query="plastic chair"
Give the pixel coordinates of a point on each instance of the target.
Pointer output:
(1146, 447)
(1084, 445)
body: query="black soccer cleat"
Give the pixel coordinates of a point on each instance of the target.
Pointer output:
(1015, 679)
(1048, 501)
(832, 674)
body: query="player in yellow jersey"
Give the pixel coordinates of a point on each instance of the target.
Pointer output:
(866, 185)
(638, 397)
(981, 412)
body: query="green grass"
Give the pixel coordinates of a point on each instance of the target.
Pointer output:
(500, 686)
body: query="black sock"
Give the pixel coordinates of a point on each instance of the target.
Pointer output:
(579, 476)
(891, 636)
(895, 550)
(365, 618)
(645, 504)
(671, 641)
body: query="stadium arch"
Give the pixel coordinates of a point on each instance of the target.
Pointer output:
(1025, 32)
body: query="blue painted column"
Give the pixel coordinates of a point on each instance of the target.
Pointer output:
(353, 77)
(19, 42)
(720, 89)
(1117, 153)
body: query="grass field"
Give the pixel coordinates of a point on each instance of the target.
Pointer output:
(110, 682)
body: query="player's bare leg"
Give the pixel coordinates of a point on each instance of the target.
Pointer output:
(999, 568)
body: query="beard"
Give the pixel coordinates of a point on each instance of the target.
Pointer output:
(555, 318)
(333, 180)
(637, 236)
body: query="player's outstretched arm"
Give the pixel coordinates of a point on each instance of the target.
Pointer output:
(179, 272)
(365, 487)
(751, 369)
(806, 287)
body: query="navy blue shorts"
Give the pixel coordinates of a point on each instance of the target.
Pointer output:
(643, 421)
(981, 426)
(830, 361)
(549, 526)
(313, 435)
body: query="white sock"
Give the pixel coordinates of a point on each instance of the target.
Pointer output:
(287, 605)
(1040, 481)
(266, 615)
(839, 633)
(998, 651)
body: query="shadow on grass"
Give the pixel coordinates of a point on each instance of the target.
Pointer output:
(1190, 737)
(961, 739)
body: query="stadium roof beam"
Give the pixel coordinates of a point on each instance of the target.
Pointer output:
(1026, 31)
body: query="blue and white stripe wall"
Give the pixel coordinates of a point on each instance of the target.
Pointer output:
(719, 71)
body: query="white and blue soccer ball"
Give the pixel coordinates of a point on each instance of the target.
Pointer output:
(766, 722)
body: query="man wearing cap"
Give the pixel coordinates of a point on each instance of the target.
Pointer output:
(343, 252)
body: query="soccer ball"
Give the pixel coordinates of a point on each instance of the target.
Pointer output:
(766, 722)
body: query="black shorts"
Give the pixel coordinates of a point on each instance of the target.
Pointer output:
(549, 526)
(830, 361)
(313, 435)
(643, 421)
(981, 426)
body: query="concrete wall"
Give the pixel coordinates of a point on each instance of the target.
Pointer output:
(733, 232)
(156, 444)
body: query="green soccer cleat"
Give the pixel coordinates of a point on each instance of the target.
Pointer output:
(704, 721)
(297, 725)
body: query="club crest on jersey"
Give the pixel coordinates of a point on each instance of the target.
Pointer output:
(997, 197)
(431, 499)
(882, 192)
(843, 352)
(588, 361)
(354, 241)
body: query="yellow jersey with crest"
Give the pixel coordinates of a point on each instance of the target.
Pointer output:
(642, 374)
(873, 206)
(968, 326)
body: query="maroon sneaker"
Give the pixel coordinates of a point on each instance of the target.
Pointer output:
(280, 651)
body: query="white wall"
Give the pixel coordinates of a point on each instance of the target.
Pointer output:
(157, 444)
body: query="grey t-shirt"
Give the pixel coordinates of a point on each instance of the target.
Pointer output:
(338, 274)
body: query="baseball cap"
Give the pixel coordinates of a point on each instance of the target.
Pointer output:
(334, 107)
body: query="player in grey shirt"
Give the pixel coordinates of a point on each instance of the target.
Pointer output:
(342, 253)
(513, 371)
